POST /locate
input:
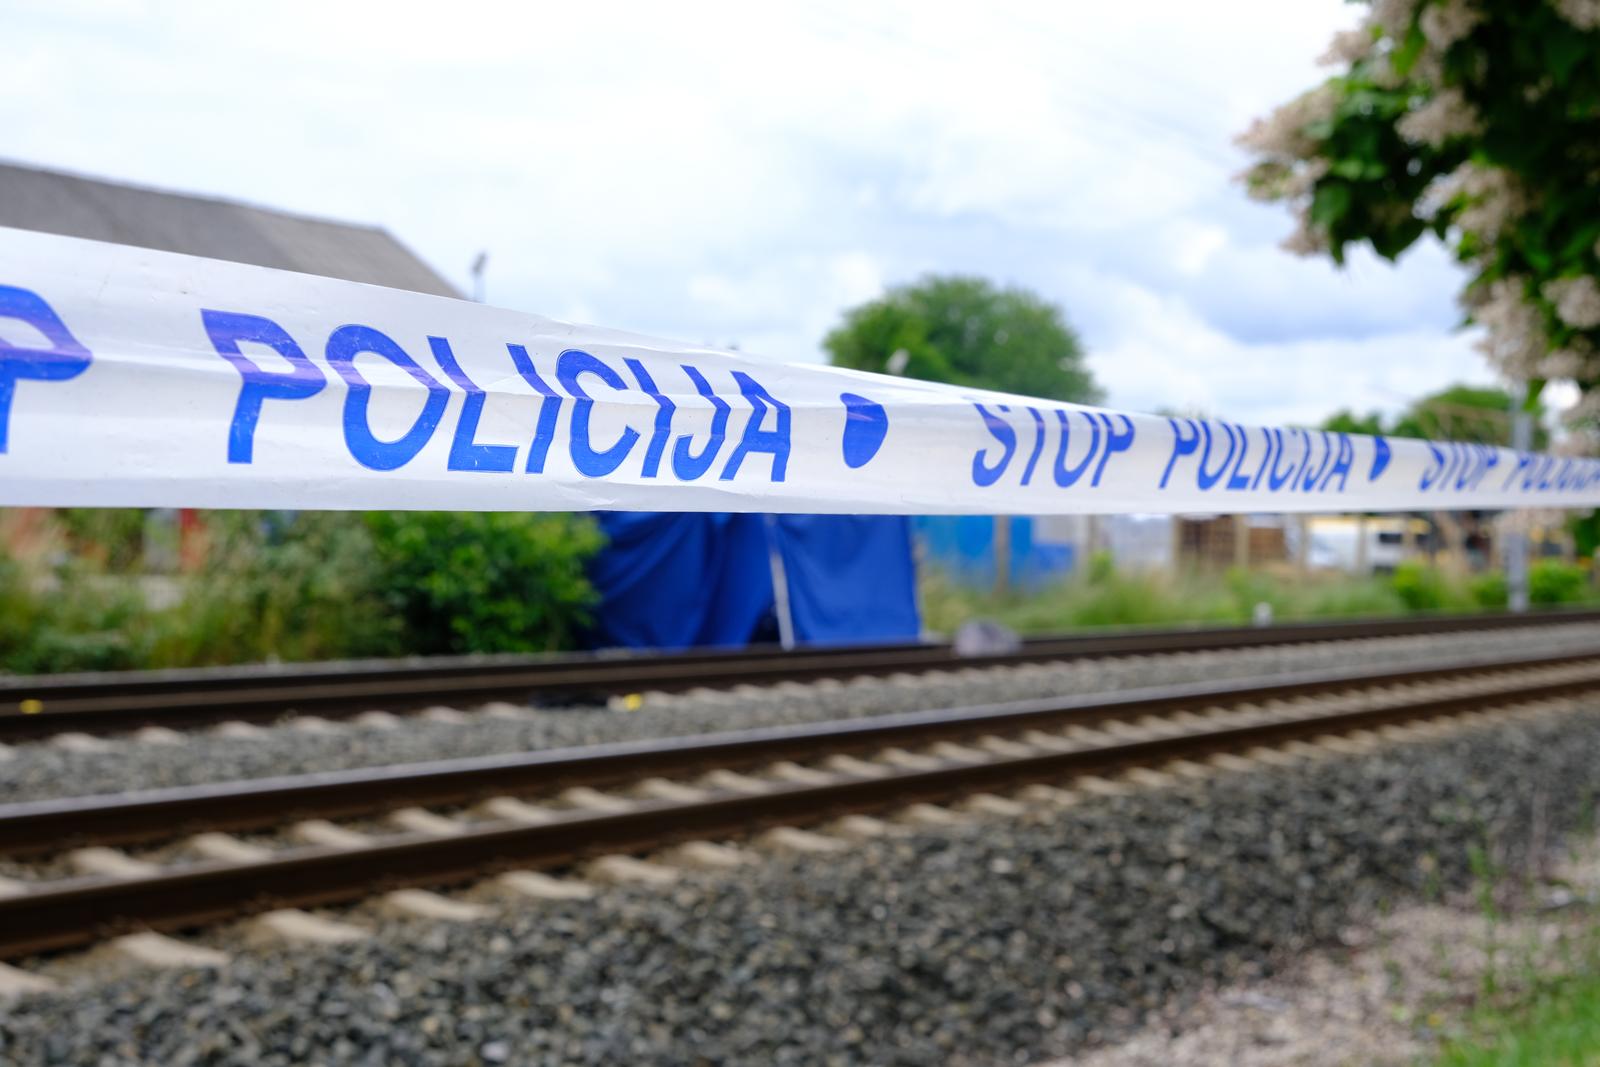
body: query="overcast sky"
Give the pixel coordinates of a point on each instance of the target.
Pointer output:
(726, 173)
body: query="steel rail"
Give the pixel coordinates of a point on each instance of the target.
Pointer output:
(39, 706)
(65, 915)
(32, 827)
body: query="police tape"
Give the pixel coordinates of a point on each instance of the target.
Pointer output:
(130, 377)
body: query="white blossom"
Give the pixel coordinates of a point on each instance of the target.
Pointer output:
(1393, 17)
(1577, 300)
(1444, 116)
(1514, 338)
(1282, 133)
(1347, 46)
(1584, 14)
(1567, 362)
(1307, 239)
(1447, 22)
(1587, 407)
(1493, 199)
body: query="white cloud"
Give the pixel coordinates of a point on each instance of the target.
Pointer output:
(1168, 357)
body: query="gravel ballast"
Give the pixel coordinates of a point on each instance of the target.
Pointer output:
(42, 770)
(1008, 941)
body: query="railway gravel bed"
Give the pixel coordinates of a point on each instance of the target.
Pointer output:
(1006, 941)
(44, 770)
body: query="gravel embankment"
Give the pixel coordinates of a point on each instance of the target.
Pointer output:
(41, 770)
(1007, 942)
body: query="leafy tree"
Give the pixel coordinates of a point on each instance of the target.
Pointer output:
(966, 331)
(1347, 421)
(1481, 414)
(1477, 121)
(1458, 413)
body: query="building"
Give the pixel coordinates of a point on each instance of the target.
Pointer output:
(51, 201)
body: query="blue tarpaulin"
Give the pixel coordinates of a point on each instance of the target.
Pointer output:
(673, 580)
(851, 577)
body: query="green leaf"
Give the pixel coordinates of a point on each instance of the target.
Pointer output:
(1563, 51)
(1408, 50)
(1330, 204)
(1583, 239)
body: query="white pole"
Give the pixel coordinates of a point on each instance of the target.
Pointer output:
(780, 585)
(1516, 544)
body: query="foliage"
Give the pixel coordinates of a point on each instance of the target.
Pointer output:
(1106, 596)
(110, 538)
(1480, 414)
(1477, 121)
(1490, 591)
(1346, 421)
(966, 331)
(485, 581)
(1419, 587)
(299, 586)
(280, 586)
(1554, 581)
(76, 622)
(1102, 595)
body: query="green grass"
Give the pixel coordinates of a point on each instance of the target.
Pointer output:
(1102, 595)
(1132, 598)
(1557, 1025)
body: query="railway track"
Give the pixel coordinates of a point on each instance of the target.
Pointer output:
(36, 707)
(448, 823)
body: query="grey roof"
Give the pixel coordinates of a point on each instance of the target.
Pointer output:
(75, 206)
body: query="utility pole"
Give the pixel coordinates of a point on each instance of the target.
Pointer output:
(477, 268)
(1516, 542)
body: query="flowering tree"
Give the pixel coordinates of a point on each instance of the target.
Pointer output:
(1478, 121)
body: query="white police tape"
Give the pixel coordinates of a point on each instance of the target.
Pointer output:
(133, 377)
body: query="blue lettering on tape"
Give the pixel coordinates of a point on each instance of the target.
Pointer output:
(774, 442)
(663, 426)
(466, 454)
(226, 330)
(370, 450)
(983, 474)
(590, 461)
(685, 464)
(866, 424)
(1067, 477)
(544, 433)
(65, 358)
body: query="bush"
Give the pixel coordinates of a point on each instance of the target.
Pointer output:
(485, 581)
(1419, 587)
(1553, 581)
(1488, 590)
(72, 620)
(302, 586)
(280, 586)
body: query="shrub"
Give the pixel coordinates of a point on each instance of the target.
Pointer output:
(485, 581)
(1420, 587)
(1488, 590)
(280, 586)
(72, 620)
(1553, 581)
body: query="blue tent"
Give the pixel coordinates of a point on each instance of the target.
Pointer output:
(673, 580)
